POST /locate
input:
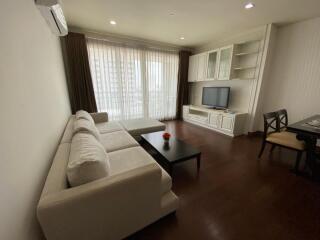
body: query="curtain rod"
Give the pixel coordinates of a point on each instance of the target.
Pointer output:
(133, 44)
(129, 41)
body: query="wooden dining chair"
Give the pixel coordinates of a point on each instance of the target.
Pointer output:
(275, 133)
(283, 119)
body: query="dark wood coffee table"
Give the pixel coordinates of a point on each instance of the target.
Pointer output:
(172, 153)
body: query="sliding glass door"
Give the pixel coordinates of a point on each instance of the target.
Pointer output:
(132, 82)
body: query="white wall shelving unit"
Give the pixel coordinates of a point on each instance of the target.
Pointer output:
(251, 51)
(236, 61)
(231, 124)
(246, 59)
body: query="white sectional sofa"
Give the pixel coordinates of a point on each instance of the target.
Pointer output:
(136, 192)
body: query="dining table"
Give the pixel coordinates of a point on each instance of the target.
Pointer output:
(308, 130)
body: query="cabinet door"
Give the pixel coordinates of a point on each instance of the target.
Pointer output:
(193, 67)
(212, 61)
(225, 63)
(214, 120)
(202, 62)
(185, 113)
(227, 123)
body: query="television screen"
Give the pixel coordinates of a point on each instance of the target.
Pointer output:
(216, 96)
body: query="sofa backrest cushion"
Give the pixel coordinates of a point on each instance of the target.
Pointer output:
(81, 114)
(88, 160)
(85, 126)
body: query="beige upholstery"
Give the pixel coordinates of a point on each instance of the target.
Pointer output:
(287, 139)
(166, 182)
(132, 158)
(57, 178)
(117, 140)
(81, 114)
(109, 208)
(83, 125)
(88, 160)
(107, 127)
(136, 127)
(68, 132)
(128, 159)
(135, 194)
(99, 117)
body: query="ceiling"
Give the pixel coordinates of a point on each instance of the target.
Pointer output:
(198, 21)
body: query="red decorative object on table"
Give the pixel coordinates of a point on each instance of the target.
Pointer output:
(166, 136)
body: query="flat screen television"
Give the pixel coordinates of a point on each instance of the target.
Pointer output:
(216, 97)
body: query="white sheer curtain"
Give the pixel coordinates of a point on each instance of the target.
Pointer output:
(132, 82)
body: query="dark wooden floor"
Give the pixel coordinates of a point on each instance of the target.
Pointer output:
(237, 196)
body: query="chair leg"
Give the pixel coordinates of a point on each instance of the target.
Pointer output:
(296, 167)
(272, 148)
(262, 148)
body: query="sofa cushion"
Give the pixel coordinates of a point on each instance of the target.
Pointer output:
(118, 140)
(88, 160)
(81, 114)
(140, 126)
(135, 157)
(107, 127)
(85, 126)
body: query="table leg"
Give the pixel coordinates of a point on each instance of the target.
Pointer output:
(198, 162)
(170, 169)
(311, 143)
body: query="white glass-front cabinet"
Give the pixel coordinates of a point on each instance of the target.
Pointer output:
(202, 66)
(212, 65)
(225, 63)
(197, 67)
(193, 68)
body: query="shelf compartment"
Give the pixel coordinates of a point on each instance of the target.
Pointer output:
(245, 53)
(244, 68)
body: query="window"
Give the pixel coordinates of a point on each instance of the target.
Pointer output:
(132, 82)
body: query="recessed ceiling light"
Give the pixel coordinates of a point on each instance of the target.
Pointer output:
(181, 38)
(249, 5)
(112, 22)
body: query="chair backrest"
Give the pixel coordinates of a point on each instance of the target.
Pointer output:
(283, 118)
(271, 123)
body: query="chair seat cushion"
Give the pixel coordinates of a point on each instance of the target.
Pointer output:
(140, 126)
(118, 140)
(107, 127)
(135, 157)
(287, 139)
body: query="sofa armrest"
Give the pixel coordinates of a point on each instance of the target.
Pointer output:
(108, 208)
(100, 117)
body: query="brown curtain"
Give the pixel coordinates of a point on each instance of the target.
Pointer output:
(79, 80)
(183, 95)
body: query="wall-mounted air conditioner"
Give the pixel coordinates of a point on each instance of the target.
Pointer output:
(51, 10)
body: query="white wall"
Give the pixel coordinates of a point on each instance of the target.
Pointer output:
(34, 110)
(294, 77)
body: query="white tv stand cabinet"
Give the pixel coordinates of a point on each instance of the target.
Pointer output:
(232, 124)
